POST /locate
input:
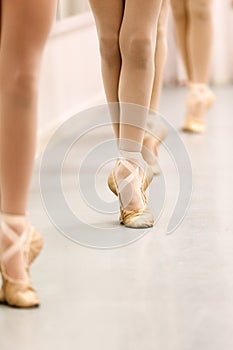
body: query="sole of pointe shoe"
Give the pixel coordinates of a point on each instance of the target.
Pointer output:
(138, 226)
(34, 306)
(11, 290)
(19, 295)
(193, 128)
(138, 222)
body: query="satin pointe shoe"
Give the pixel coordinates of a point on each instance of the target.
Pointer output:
(17, 291)
(130, 190)
(147, 179)
(156, 133)
(36, 245)
(198, 101)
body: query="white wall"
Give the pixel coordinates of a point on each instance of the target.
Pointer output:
(222, 58)
(71, 77)
(72, 7)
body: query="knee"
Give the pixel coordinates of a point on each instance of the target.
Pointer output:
(178, 10)
(109, 49)
(138, 50)
(21, 83)
(200, 9)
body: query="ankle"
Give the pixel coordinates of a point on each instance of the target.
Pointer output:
(19, 223)
(135, 158)
(197, 85)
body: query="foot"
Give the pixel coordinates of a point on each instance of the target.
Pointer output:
(199, 99)
(15, 238)
(36, 245)
(128, 179)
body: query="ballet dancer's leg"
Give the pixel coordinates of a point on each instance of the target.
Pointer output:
(137, 44)
(134, 54)
(127, 48)
(200, 39)
(108, 17)
(200, 35)
(157, 129)
(24, 29)
(181, 22)
(193, 23)
(193, 20)
(160, 56)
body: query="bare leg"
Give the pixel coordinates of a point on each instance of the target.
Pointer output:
(137, 43)
(200, 39)
(160, 55)
(200, 34)
(108, 17)
(157, 129)
(193, 20)
(127, 49)
(181, 20)
(110, 22)
(24, 30)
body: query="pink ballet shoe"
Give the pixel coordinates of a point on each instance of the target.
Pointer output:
(19, 292)
(140, 216)
(199, 99)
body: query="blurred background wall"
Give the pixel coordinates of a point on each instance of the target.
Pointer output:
(71, 78)
(222, 60)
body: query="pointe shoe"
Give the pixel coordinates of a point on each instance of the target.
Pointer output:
(18, 292)
(139, 217)
(199, 99)
(156, 133)
(147, 179)
(36, 245)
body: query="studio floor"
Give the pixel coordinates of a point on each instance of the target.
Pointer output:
(161, 292)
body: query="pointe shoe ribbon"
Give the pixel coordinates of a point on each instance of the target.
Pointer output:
(135, 218)
(18, 243)
(36, 245)
(17, 292)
